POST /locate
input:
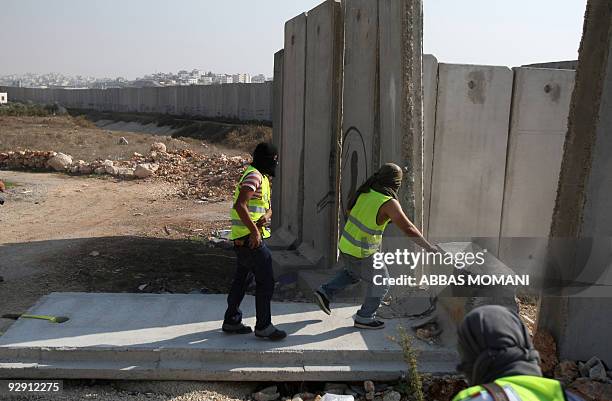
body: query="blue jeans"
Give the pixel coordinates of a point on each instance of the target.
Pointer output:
(259, 263)
(355, 270)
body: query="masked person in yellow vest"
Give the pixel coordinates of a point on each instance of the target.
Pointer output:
(500, 362)
(370, 210)
(250, 217)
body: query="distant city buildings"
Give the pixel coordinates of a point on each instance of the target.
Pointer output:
(182, 77)
(258, 79)
(241, 78)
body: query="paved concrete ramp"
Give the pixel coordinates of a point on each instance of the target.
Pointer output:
(178, 337)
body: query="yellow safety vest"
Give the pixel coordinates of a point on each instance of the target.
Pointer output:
(528, 388)
(257, 207)
(362, 235)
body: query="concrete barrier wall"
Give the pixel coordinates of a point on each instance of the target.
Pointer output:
(292, 145)
(399, 115)
(477, 167)
(471, 135)
(540, 109)
(244, 102)
(277, 129)
(361, 139)
(323, 111)
(430, 97)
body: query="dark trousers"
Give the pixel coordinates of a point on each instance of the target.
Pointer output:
(259, 262)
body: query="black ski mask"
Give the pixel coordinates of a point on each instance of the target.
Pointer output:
(265, 158)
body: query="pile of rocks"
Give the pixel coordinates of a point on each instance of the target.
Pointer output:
(368, 392)
(28, 159)
(589, 378)
(205, 177)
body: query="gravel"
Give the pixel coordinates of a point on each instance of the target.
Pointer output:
(148, 390)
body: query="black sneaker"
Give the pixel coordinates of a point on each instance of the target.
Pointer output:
(322, 301)
(270, 333)
(375, 325)
(236, 328)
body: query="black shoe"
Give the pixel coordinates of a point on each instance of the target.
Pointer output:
(270, 333)
(236, 328)
(375, 325)
(322, 301)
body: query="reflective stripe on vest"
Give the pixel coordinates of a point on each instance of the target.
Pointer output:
(362, 235)
(527, 388)
(257, 207)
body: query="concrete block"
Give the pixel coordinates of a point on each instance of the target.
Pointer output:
(245, 102)
(178, 337)
(172, 105)
(277, 137)
(323, 113)
(430, 92)
(261, 101)
(473, 110)
(290, 261)
(291, 152)
(361, 139)
(148, 100)
(230, 101)
(457, 301)
(579, 319)
(400, 31)
(400, 112)
(540, 109)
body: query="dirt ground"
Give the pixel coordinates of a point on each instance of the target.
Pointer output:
(53, 224)
(82, 140)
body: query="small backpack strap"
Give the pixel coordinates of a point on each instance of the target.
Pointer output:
(496, 391)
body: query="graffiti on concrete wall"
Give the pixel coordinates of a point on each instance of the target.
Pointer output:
(354, 167)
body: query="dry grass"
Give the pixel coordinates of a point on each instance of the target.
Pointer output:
(81, 139)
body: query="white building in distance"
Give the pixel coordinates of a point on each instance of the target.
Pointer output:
(3, 98)
(241, 78)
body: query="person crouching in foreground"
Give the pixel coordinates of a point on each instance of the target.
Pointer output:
(370, 210)
(500, 362)
(251, 214)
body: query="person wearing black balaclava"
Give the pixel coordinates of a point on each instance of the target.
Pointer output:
(250, 215)
(500, 361)
(373, 206)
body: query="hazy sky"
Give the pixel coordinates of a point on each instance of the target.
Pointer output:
(129, 38)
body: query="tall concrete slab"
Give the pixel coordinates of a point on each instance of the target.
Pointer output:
(148, 100)
(580, 250)
(291, 152)
(360, 128)
(245, 102)
(540, 108)
(430, 98)
(182, 104)
(261, 101)
(400, 112)
(400, 59)
(218, 100)
(230, 100)
(277, 137)
(322, 131)
(473, 110)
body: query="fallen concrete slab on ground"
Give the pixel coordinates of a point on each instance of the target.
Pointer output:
(178, 337)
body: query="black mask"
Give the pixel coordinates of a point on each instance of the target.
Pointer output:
(265, 158)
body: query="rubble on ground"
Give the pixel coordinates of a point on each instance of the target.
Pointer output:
(589, 378)
(209, 178)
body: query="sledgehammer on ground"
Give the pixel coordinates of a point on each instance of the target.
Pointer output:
(52, 319)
